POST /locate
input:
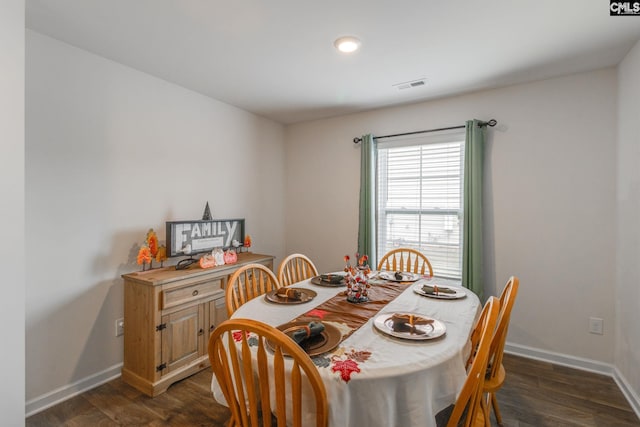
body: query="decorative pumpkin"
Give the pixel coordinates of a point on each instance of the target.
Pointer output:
(207, 261)
(218, 254)
(230, 257)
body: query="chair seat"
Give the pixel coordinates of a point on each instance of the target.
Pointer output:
(491, 385)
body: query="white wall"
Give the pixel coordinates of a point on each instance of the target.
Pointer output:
(627, 353)
(550, 195)
(110, 153)
(12, 195)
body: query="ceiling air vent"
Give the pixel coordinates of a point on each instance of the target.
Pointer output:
(411, 84)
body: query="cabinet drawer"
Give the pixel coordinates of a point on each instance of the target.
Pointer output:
(186, 294)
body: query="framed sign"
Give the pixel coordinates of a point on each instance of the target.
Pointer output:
(185, 238)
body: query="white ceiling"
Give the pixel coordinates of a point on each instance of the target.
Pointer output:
(276, 58)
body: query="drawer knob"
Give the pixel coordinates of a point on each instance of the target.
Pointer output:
(211, 328)
(201, 331)
(194, 293)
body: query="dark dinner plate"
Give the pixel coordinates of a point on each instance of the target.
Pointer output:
(327, 340)
(317, 280)
(306, 295)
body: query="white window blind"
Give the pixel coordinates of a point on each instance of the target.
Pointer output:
(419, 197)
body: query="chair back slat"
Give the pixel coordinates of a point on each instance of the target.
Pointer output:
(280, 392)
(296, 391)
(263, 379)
(296, 268)
(249, 384)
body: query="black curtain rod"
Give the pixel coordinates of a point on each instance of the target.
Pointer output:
(491, 123)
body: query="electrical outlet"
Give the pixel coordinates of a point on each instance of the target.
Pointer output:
(119, 327)
(596, 326)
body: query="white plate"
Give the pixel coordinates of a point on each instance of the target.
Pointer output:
(459, 292)
(391, 276)
(433, 330)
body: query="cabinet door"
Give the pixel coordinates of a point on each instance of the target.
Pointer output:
(183, 338)
(217, 313)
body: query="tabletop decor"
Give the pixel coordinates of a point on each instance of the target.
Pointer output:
(357, 279)
(207, 261)
(409, 326)
(246, 244)
(218, 255)
(314, 337)
(161, 256)
(329, 279)
(188, 238)
(230, 256)
(439, 292)
(288, 295)
(148, 250)
(399, 276)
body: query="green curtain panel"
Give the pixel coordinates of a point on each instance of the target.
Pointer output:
(367, 220)
(472, 225)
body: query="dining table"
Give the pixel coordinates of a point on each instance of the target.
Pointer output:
(375, 375)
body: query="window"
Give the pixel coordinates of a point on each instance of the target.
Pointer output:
(419, 197)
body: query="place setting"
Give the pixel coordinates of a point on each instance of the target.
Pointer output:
(409, 326)
(289, 295)
(313, 337)
(329, 279)
(432, 290)
(398, 276)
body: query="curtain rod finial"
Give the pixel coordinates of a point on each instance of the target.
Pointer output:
(491, 123)
(357, 140)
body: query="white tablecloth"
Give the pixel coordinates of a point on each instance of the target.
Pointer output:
(373, 379)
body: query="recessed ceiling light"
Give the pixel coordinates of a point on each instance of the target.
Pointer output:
(347, 44)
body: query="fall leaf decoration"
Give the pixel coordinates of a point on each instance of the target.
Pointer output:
(144, 255)
(161, 256)
(345, 368)
(247, 241)
(152, 242)
(359, 356)
(151, 250)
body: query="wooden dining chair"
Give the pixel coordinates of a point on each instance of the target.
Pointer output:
(248, 282)
(496, 373)
(468, 409)
(295, 268)
(405, 259)
(252, 402)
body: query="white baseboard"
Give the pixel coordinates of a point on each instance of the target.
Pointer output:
(629, 393)
(61, 394)
(559, 359)
(579, 363)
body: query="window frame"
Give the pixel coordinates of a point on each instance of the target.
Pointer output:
(456, 136)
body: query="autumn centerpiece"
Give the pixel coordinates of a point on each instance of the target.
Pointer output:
(357, 279)
(150, 250)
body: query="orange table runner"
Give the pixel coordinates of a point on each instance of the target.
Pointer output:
(354, 315)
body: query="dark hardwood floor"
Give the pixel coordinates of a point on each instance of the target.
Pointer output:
(535, 394)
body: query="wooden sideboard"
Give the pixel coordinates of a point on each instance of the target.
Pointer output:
(168, 316)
